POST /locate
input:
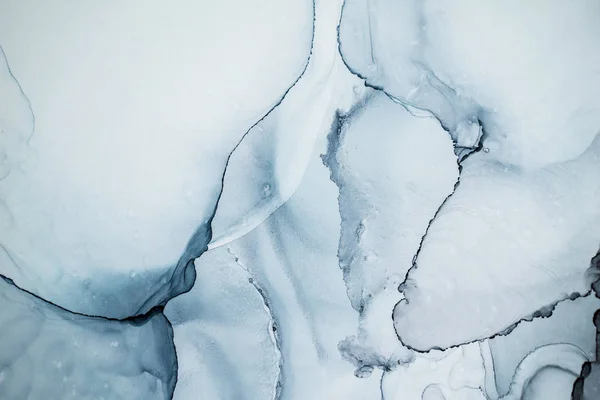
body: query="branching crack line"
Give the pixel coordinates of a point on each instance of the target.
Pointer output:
(546, 313)
(274, 334)
(281, 99)
(543, 312)
(547, 310)
(133, 319)
(408, 106)
(436, 214)
(381, 384)
(25, 97)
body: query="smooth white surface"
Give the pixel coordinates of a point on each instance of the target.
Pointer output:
(137, 105)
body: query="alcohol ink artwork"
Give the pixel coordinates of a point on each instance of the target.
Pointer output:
(296, 199)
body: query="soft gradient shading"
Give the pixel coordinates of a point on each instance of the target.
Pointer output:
(299, 199)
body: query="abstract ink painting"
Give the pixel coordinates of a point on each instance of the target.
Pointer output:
(299, 199)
